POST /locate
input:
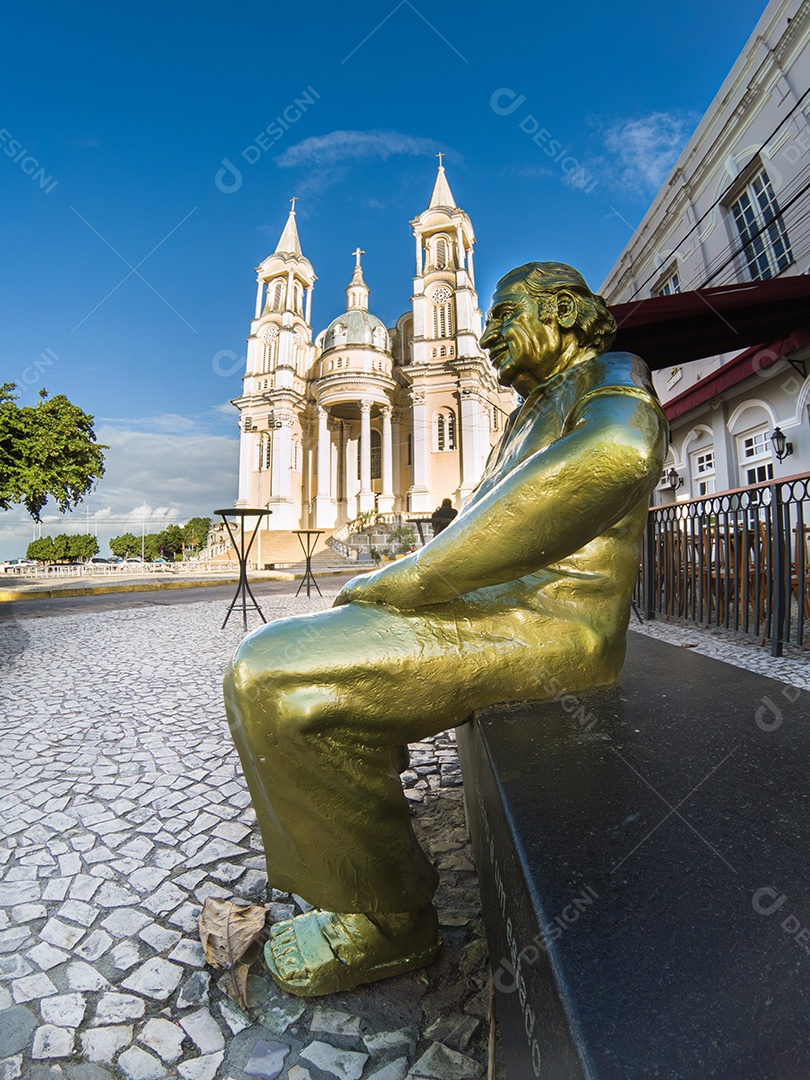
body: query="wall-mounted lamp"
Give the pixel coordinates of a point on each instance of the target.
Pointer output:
(674, 479)
(782, 448)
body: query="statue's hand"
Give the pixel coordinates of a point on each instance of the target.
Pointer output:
(354, 590)
(389, 585)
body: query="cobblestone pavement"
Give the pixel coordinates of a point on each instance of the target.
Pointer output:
(741, 650)
(122, 807)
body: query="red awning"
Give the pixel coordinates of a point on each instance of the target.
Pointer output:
(669, 330)
(742, 367)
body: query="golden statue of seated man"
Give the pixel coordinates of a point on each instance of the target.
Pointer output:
(529, 586)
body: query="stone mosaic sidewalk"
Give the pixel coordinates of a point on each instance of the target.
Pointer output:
(122, 807)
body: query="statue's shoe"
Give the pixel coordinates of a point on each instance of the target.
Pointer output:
(323, 952)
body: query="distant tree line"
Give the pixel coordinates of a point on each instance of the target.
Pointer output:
(172, 543)
(63, 548)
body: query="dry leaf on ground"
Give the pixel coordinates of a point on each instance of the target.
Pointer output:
(227, 931)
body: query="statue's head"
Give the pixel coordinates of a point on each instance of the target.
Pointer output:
(543, 319)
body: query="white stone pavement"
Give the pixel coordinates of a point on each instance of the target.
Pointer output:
(122, 807)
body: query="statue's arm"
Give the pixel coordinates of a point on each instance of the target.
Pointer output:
(549, 506)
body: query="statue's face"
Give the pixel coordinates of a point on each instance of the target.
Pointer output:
(524, 348)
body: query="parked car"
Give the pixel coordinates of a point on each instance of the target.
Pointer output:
(98, 561)
(17, 564)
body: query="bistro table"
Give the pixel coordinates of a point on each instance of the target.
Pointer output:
(308, 538)
(242, 553)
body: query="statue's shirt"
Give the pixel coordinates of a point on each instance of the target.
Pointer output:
(605, 567)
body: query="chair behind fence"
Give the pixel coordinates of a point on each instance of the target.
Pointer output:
(738, 559)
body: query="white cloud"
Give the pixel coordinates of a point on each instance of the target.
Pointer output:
(643, 150)
(178, 474)
(166, 423)
(340, 146)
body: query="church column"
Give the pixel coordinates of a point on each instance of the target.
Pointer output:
(470, 269)
(472, 444)
(385, 503)
(323, 452)
(366, 495)
(309, 304)
(419, 496)
(396, 457)
(418, 255)
(259, 290)
(459, 248)
(281, 500)
(324, 501)
(247, 469)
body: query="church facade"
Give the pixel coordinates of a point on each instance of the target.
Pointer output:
(362, 417)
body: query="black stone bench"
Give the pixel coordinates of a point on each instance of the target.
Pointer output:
(644, 862)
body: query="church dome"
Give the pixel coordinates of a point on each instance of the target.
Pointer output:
(356, 326)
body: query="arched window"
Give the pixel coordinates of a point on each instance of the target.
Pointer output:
(266, 452)
(442, 312)
(297, 297)
(269, 349)
(379, 337)
(278, 296)
(441, 253)
(444, 430)
(451, 431)
(298, 350)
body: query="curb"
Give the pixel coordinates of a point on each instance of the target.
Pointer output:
(34, 592)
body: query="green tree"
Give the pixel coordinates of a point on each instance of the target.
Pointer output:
(195, 532)
(125, 545)
(41, 550)
(61, 547)
(47, 450)
(83, 546)
(170, 542)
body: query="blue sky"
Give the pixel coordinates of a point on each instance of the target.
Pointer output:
(129, 244)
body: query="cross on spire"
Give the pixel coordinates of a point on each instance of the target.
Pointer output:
(440, 156)
(293, 201)
(357, 253)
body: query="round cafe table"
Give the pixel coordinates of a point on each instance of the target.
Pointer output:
(308, 538)
(242, 552)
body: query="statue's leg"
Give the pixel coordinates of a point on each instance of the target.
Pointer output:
(319, 707)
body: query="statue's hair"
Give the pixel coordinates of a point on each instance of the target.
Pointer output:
(541, 280)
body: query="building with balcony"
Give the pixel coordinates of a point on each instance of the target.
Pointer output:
(735, 209)
(360, 416)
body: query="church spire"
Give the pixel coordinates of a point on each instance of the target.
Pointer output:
(289, 242)
(357, 290)
(442, 195)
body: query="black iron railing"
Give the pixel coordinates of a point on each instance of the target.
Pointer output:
(738, 559)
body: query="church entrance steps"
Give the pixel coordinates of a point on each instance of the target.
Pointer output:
(280, 550)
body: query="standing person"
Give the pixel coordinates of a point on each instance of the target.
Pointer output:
(442, 516)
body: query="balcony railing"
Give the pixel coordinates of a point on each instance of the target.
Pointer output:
(736, 559)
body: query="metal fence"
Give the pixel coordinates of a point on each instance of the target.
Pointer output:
(738, 559)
